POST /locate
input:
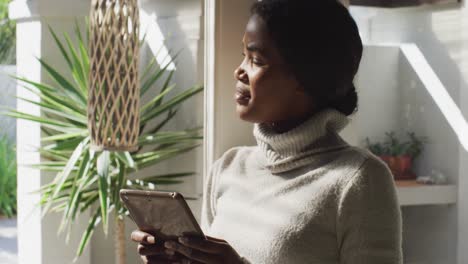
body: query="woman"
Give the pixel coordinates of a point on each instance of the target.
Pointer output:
(303, 194)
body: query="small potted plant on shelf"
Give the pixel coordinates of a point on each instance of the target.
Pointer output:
(398, 155)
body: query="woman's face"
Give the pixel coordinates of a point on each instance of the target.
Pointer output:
(265, 90)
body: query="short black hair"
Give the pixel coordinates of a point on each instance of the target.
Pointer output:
(320, 43)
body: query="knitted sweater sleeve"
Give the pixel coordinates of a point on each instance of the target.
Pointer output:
(208, 200)
(369, 224)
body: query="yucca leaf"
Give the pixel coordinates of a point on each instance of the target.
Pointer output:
(62, 102)
(103, 163)
(75, 193)
(126, 158)
(48, 153)
(93, 222)
(65, 136)
(78, 71)
(61, 48)
(171, 103)
(159, 156)
(65, 145)
(161, 124)
(152, 62)
(88, 202)
(77, 30)
(156, 100)
(155, 77)
(49, 187)
(81, 121)
(64, 84)
(13, 113)
(148, 67)
(84, 60)
(164, 88)
(49, 104)
(120, 182)
(165, 138)
(62, 176)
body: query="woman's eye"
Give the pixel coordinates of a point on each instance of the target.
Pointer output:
(252, 60)
(257, 62)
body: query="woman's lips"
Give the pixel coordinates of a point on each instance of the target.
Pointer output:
(242, 96)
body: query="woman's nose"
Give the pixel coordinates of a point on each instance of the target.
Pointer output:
(240, 74)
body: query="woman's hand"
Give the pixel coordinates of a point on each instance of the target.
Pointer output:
(209, 251)
(152, 251)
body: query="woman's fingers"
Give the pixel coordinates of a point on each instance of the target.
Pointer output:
(160, 260)
(147, 250)
(143, 237)
(208, 246)
(193, 254)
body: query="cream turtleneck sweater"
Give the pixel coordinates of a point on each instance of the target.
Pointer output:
(304, 196)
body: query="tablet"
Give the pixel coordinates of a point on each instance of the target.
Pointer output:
(165, 215)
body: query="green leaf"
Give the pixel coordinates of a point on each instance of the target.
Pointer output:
(126, 157)
(16, 114)
(155, 77)
(78, 71)
(168, 118)
(75, 194)
(171, 103)
(65, 136)
(93, 222)
(169, 137)
(61, 48)
(156, 100)
(49, 108)
(65, 145)
(64, 84)
(151, 158)
(56, 155)
(120, 182)
(103, 163)
(62, 176)
(55, 97)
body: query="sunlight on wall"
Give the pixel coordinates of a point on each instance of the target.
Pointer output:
(155, 39)
(436, 89)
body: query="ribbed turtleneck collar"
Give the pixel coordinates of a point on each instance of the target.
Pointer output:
(293, 149)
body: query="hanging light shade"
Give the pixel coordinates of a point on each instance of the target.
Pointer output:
(113, 99)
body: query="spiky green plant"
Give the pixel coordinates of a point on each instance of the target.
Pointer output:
(89, 180)
(7, 177)
(7, 35)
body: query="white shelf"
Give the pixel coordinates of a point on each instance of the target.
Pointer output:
(422, 194)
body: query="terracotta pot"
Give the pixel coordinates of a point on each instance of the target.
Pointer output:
(400, 166)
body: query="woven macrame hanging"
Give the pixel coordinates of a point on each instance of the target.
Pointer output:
(113, 101)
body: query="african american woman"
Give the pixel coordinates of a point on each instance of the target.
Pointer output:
(302, 194)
